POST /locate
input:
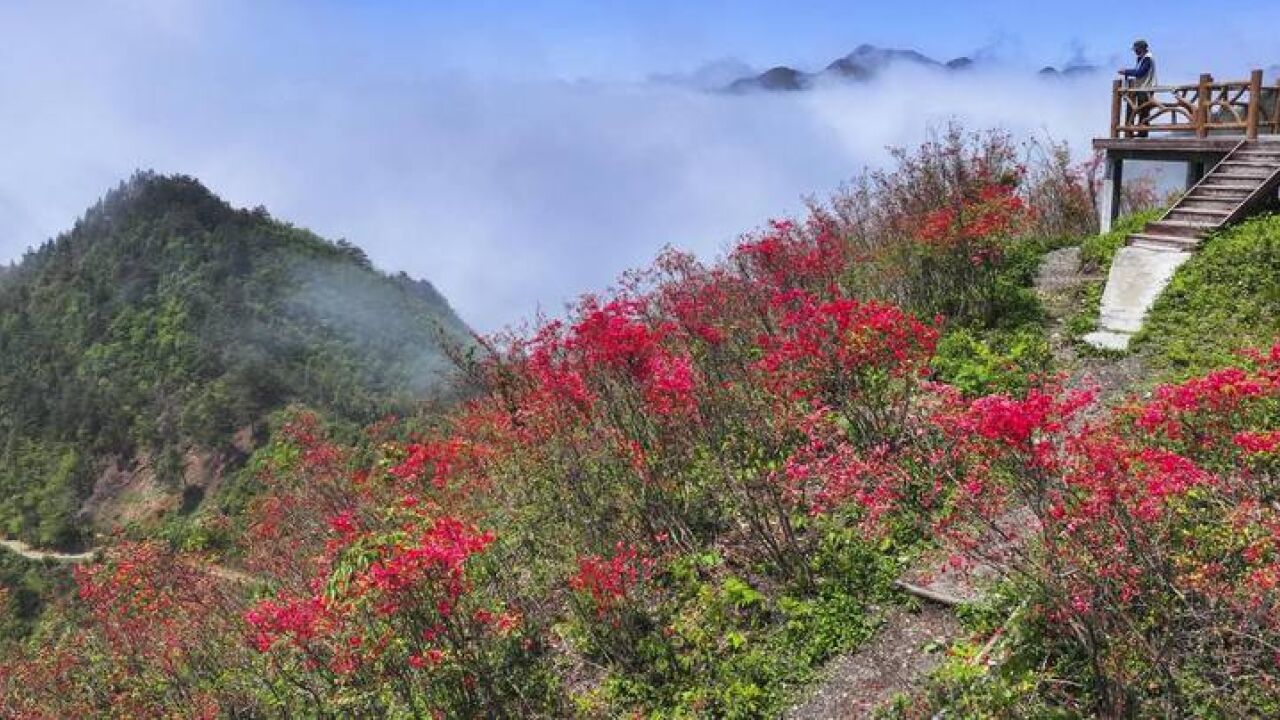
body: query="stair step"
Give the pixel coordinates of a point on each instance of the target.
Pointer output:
(1213, 221)
(1216, 183)
(1218, 186)
(1249, 162)
(1180, 228)
(1208, 193)
(1207, 203)
(1198, 223)
(1162, 242)
(1244, 173)
(1206, 212)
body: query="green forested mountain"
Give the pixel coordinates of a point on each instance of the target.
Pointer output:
(141, 351)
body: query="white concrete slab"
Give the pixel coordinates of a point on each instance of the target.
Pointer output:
(1105, 340)
(1138, 276)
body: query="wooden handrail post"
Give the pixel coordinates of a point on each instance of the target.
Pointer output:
(1275, 109)
(1115, 108)
(1255, 104)
(1202, 105)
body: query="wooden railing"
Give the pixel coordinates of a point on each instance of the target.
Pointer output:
(1208, 107)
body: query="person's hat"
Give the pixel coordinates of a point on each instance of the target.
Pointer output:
(1139, 44)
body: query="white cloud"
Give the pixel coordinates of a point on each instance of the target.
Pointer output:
(508, 195)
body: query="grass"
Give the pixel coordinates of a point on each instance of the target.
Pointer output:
(1224, 298)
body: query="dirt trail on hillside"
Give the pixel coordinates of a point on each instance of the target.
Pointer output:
(911, 644)
(1060, 285)
(20, 548)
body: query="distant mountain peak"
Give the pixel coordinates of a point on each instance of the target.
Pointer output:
(1069, 70)
(866, 62)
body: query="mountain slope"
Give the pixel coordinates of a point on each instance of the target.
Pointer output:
(141, 352)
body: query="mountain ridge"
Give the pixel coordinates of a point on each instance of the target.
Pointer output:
(865, 63)
(143, 350)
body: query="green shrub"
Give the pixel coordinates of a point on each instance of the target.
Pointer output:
(720, 646)
(1005, 361)
(1009, 669)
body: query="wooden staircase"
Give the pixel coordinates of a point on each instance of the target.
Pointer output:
(1247, 177)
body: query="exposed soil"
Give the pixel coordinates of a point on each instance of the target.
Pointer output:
(910, 645)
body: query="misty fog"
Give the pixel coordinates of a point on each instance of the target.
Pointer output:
(509, 195)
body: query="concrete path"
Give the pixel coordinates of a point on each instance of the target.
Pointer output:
(1138, 276)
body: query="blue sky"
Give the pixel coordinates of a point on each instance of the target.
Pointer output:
(629, 40)
(517, 154)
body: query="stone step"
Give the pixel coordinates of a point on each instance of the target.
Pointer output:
(1219, 182)
(1107, 340)
(1205, 204)
(1243, 174)
(1137, 277)
(1212, 218)
(1205, 212)
(1208, 193)
(1180, 228)
(1231, 168)
(1155, 241)
(1237, 161)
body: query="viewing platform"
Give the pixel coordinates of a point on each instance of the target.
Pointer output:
(1228, 135)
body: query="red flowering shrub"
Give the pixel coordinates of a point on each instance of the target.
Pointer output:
(397, 605)
(151, 631)
(861, 359)
(1156, 534)
(614, 605)
(389, 598)
(610, 581)
(785, 258)
(1063, 192)
(769, 412)
(831, 471)
(929, 234)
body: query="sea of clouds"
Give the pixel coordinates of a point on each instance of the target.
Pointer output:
(510, 195)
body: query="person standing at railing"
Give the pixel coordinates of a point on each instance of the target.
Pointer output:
(1139, 78)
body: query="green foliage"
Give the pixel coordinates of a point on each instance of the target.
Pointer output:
(1014, 301)
(26, 586)
(721, 646)
(1002, 353)
(1007, 670)
(1089, 301)
(1226, 297)
(1096, 252)
(994, 362)
(166, 320)
(41, 512)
